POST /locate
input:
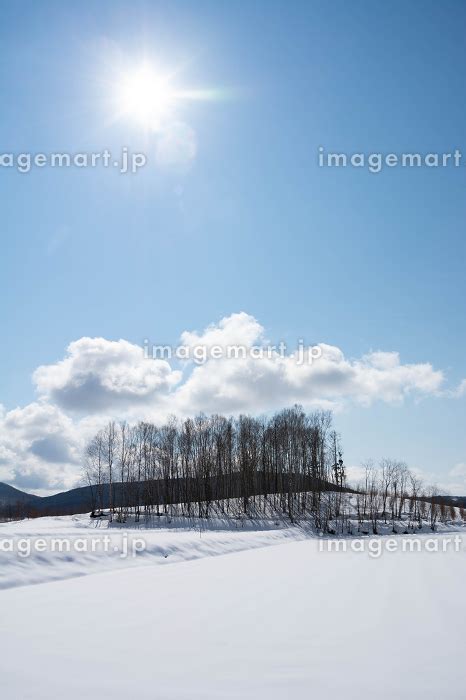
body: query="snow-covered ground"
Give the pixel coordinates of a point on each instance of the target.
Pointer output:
(61, 547)
(262, 622)
(55, 548)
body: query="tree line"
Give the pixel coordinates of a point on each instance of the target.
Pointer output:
(286, 465)
(280, 463)
(290, 464)
(392, 494)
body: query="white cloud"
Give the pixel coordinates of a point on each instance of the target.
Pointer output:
(456, 480)
(237, 329)
(355, 475)
(270, 382)
(40, 447)
(99, 379)
(460, 391)
(99, 374)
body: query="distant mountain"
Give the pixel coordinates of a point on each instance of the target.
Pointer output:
(15, 503)
(457, 501)
(19, 504)
(11, 496)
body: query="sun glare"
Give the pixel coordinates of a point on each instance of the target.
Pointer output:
(145, 96)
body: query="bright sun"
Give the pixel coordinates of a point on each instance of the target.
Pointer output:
(145, 96)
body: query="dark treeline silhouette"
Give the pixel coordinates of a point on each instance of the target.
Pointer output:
(284, 462)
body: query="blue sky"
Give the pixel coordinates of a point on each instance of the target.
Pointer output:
(364, 262)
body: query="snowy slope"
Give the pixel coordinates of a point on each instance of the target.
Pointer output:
(31, 550)
(35, 556)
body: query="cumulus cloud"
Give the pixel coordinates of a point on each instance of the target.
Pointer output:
(40, 447)
(37, 478)
(99, 379)
(237, 329)
(52, 448)
(99, 374)
(331, 380)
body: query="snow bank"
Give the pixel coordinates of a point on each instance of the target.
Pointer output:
(55, 548)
